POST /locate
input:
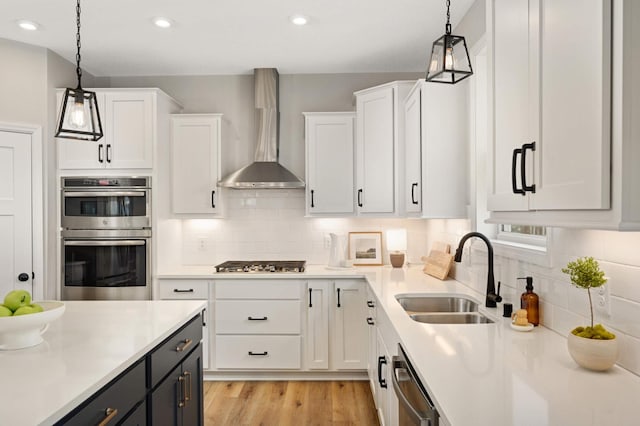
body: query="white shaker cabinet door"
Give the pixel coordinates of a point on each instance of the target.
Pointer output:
(413, 152)
(317, 333)
(350, 340)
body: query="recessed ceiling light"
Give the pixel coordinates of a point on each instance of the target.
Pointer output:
(162, 22)
(299, 20)
(28, 25)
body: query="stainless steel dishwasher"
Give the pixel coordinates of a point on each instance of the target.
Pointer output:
(415, 405)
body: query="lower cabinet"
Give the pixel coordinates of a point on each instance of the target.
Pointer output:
(385, 344)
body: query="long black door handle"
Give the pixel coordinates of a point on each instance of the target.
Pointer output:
(312, 203)
(265, 353)
(338, 297)
(514, 162)
(213, 199)
(523, 166)
(381, 380)
(359, 198)
(177, 290)
(413, 193)
(100, 155)
(108, 153)
(257, 319)
(310, 293)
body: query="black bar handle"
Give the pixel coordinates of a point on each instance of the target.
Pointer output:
(370, 321)
(310, 293)
(523, 166)
(381, 380)
(213, 199)
(370, 304)
(265, 353)
(312, 203)
(108, 153)
(514, 161)
(177, 290)
(413, 194)
(359, 198)
(257, 319)
(100, 156)
(338, 297)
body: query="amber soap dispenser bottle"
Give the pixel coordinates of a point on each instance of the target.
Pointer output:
(529, 301)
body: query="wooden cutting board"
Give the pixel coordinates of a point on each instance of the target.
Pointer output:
(438, 263)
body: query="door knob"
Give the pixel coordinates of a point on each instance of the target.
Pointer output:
(23, 277)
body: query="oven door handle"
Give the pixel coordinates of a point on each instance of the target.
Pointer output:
(104, 242)
(105, 193)
(399, 369)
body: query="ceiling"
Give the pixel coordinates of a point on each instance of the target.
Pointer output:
(235, 36)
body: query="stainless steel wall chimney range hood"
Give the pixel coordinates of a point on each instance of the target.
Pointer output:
(265, 172)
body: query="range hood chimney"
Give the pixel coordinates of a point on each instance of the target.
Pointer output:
(265, 172)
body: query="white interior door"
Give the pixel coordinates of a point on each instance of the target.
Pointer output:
(15, 211)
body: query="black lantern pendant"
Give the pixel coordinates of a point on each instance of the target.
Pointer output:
(79, 116)
(449, 62)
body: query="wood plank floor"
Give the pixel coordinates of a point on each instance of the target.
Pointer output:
(289, 403)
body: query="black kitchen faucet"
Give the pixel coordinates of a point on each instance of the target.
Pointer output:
(492, 297)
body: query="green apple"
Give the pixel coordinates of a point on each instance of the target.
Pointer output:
(37, 307)
(16, 299)
(5, 312)
(24, 310)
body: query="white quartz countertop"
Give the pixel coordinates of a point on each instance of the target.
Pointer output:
(485, 374)
(90, 345)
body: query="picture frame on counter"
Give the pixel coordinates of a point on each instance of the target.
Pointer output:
(365, 248)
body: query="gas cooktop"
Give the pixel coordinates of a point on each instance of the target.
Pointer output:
(262, 266)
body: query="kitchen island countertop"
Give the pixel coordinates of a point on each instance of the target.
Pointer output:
(90, 345)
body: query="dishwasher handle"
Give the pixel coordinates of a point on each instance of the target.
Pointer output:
(401, 373)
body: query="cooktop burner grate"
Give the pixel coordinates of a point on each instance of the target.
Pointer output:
(262, 266)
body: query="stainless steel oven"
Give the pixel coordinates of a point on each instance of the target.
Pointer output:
(106, 202)
(106, 264)
(415, 404)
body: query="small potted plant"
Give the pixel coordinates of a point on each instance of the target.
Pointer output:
(592, 347)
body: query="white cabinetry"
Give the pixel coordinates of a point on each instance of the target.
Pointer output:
(195, 163)
(129, 121)
(329, 139)
(551, 80)
(435, 151)
(349, 328)
(317, 333)
(379, 147)
(187, 289)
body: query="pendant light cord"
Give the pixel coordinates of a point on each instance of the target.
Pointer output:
(78, 69)
(447, 27)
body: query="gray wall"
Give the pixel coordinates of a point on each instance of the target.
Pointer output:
(232, 95)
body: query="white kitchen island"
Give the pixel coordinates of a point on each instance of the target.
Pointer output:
(90, 345)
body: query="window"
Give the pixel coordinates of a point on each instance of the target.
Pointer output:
(523, 234)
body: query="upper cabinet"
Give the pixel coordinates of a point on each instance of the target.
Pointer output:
(435, 148)
(329, 139)
(195, 163)
(129, 120)
(379, 148)
(551, 79)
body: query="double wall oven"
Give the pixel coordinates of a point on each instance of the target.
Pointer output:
(106, 238)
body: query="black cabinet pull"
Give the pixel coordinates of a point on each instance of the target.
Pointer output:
(381, 380)
(257, 319)
(312, 203)
(265, 353)
(177, 290)
(108, 153)
(370, 304)
(413, 194)
(100, 156)
(359, 198)
(514, 162)
(310, 292)
(338, 297)
(370, 321)
(523, 165)
(213, 199)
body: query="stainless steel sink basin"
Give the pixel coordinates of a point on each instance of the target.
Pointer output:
(419, 304)
(451, 318)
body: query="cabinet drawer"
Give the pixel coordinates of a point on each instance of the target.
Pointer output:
(138, 417)
(122, 394)
(258, 317)
(174, 349)
(258, 352)
(258, 289)
(184, 289)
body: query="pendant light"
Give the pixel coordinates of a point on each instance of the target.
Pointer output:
(79, 116)
(449, 62)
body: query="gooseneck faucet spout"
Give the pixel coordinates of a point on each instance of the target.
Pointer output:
(493, 296)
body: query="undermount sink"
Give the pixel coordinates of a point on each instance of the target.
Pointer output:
(452, 318)
(442, 309)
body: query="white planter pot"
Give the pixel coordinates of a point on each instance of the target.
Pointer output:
(593, 354)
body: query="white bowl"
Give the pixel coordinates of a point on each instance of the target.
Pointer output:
(593, 354)
(24, 331)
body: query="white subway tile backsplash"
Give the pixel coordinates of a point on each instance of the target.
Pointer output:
(623, 279)
(625, 316)
(629, 352)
